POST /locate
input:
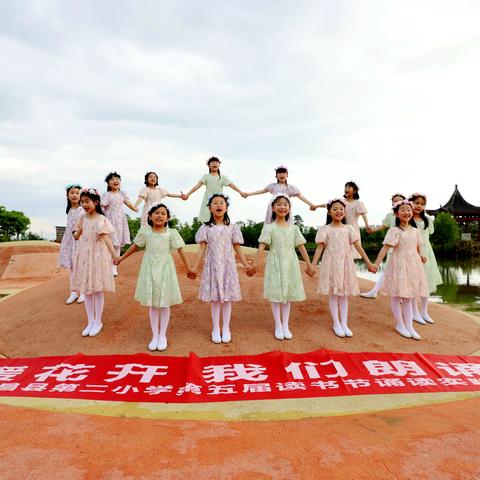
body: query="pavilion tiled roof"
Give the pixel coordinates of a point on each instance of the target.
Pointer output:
(457, 205)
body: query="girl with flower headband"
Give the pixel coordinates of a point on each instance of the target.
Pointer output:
(338, 277)
(68, 247)
(282, 278)
(152, 194)
(280, 187)
(112, 203)
(93, 263)
(388, 222)
(214, 182)
(404, 277)
(425, 226)
(219, 284)
(157, 284)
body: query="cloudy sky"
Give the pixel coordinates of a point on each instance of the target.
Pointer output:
(382, 92)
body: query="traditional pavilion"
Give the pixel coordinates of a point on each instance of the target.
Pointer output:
(464, 213)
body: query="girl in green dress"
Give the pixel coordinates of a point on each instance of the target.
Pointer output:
(282, 278)
(214, 182)
(157, 284)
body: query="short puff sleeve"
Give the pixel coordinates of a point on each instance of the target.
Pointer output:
(270, 188)
(360, 208)
(204, 179)
(104, 226)
(237, 236)
(266, 234)
(392, 236)
(353, 235)
(176, 241)
(124, 196)
(293, 191)
(143, 193)
(321, 236)
(226, 181)
(431, 227)
(201, 235)
(104, 200)
(140, 239)
(299, 238)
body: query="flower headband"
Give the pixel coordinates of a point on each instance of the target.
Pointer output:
(220, 194)
(401, 202)
(72, 185)
(212, 159)
(417, 194)
(112, 174)
(398, 195)
(333, 200)
(91, 191)
(281, 167)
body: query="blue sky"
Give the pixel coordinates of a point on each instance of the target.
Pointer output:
(381, 92)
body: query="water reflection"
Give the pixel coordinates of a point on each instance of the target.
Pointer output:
(461, 281)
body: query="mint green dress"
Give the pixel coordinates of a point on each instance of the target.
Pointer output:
(213, 184)
(282, 278)
(157, 284)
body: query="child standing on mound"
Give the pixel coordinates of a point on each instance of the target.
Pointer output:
(112, 203)
(157, 284)
(404, 275)
(93, 263)
(281, 187)
(214, 182)
(219, 283)
(151, 194)
(388, 222)
(282, 279)
(434, 278)
(68, 247)
(338, 277)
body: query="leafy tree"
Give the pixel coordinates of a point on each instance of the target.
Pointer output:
(250, 231)
(298, 220)
(12, 223)
(446, 232)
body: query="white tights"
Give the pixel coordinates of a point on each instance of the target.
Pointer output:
(421, 316)
(336, 303)
(94, 307)
(281, 315)
(159, 317)
(403, 314)
(226, 309)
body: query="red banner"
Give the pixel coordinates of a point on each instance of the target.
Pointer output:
(322, 373)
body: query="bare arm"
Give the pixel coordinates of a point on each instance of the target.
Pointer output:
(198, 258)
(132, 249)
(234, 187)
(303, 252)
(381, 255)
(257, 192)
(365, 219)
(194, 189)
(361, 251)
(174, 195)
(260, 250)
(184, 258)
(249, 269)
(138, 202)
(376, 229)
(422, 256)
(321, 205)
(308, 202)
(318, 254)
(106, 238)
(130, 206)
(77, 233)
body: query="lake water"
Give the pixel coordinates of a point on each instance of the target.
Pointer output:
(461, 281)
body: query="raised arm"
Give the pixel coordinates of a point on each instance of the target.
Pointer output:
(308, 202)
(380, 228)
(234, 187)
(193, 189)
(257, 192)
(130, 206)
(174, 195)
(140, 199)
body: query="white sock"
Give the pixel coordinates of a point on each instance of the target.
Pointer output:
(154, 314)
(164, 320)
(215, 309)
(424, 307)
(401, 328)
(333, 304)
(416, 314)
(285, 319)
(408, 317)
(90, 309)
(226, 314)
(343, 304)
(279, 335)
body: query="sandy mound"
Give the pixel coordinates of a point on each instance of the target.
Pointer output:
(37, 322)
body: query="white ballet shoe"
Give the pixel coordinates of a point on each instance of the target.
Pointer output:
(153, 344)
(403, 331)
(338, 330)
(226, 336)
(86, 331)
(216, 337)
(81, 298)
(287, 334)
(115, 271)
(348, 332)
(97, 327)
(73, 296)
(414, 334)
(427, 318)
(368, 295)
(279, 335)
(419, 320)
(162, 344)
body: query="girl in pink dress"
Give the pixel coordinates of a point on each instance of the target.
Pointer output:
(112, 204)
(152, 194)
(68, 247)
(219, 283)
(338, 277)
(404, 277)
(93, 263)
(354, 209)
(280, 187)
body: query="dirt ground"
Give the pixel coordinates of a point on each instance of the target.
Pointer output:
(430, 440)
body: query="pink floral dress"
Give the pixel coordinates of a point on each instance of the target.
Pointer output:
(219, 280)
(275, 189)
(68, 247)
(337, 268)
(150, 197)
(92, 271)
(404, 273)
(112, 206)
(352, 212)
